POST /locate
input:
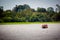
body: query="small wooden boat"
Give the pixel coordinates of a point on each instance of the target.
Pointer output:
(44, 26)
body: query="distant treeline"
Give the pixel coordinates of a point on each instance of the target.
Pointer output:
(23, 13)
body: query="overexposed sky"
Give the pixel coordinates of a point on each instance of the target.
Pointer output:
(9, 4)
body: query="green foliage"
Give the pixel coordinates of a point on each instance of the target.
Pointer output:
(20, 8)
(1, 21)
(33, 18)
(1, 12)
(33, 10)
(50, 10)
(23, 13)
(17, 19)
(41, 9)
(56, 17)
(8, 13)
(7, 19)
(58, 8)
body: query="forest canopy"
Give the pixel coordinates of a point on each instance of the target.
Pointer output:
(24, 13)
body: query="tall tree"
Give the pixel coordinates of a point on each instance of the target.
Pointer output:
(50, 9)
(20, 8)
(1, 11)
(58, 7)
(41, 9)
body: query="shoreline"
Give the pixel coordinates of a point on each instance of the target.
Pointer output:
(7, 23)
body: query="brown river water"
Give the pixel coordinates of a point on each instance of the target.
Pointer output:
(30, 32)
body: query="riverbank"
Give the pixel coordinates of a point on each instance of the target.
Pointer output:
(29, 23)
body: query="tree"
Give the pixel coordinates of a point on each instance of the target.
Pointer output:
(58, 8)
(8, 13)
(33, 10)
(27, 14)
(33, 18)
(1, 11)
(20, 8)
(50, 10)
(56, 17)
(41, 9)
(7, 19)
(26, 6)
(43, 17)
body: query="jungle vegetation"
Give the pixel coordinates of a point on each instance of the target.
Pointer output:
(24, 13)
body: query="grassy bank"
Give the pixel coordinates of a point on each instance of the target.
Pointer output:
(29, 23)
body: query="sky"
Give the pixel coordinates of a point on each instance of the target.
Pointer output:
(9, 4)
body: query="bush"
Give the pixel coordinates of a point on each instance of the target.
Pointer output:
(7, 19)
(1, 21)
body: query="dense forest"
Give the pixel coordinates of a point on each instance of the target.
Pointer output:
(24, 13)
